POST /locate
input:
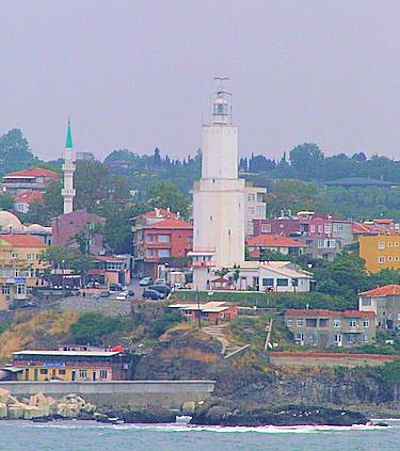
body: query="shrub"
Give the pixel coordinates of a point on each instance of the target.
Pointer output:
(93, 328)
(163, 323)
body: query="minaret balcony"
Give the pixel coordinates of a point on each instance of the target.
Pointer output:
(68, 192)
(68, 167)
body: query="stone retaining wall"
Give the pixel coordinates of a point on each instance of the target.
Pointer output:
(133, 395)
(326, 359)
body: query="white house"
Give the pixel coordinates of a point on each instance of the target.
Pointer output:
(274, 276)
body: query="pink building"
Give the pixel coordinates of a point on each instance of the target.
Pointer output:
(66, 228)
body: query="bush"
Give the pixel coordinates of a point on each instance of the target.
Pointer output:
(163, 323)
(93, 328)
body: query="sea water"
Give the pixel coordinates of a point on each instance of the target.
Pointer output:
(87, 436)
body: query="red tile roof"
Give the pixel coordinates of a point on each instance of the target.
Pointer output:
(387, 290)
(319, 313)
(171, 224)
(28, 196)
(36, 172)
(22, 241)
(273, 241)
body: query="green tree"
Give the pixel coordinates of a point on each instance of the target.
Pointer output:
(164, 195)
(15, 153)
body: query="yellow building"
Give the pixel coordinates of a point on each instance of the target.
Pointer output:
(70, 366)
(20, 265)
(380, 252)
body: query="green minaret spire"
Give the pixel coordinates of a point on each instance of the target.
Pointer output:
(68, 142)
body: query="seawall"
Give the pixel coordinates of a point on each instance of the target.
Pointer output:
(124, 395)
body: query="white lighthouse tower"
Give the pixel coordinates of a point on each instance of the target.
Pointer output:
(68, 192)
(218, 198)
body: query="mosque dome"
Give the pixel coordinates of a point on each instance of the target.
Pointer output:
(9, 223)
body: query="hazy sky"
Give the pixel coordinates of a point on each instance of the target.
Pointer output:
(137, 74)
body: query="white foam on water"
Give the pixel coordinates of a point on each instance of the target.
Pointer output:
(243, 429)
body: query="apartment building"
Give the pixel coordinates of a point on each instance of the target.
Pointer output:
(380, 252)
(255, 207)
(158, 235)
(385, 303)
(284, 245)
(323, 328)
(20, 268)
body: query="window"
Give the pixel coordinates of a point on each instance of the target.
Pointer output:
(266, 228)
(190, 239)
(337, 338)
(30, 256)
(366, 323)
(150, 253)
(43, 371)
(282, 282)
(299, 337)
(83, 374)
(390, 258)
(396, 259)
(366, 302)
(311, 322)
(103, 374)
(320, 228)
(163, 253)
(323, 322)
(396, 244)
(62, 372)
(381, 245)
(267, 282)
(336, 323)
(312, 228)
(15, 256)
(311, 338)
(163, 238)
(352, 323)
(389, 244)
(381, 259)
(251, 197)
(295, 282)
(289, 321)
(5, 289)
(350, 338)
(150, 238)
(300, 322)
(364, 338)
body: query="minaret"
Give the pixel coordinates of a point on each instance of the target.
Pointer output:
(218, 198)
(68, 167)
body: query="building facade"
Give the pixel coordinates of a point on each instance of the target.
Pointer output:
(68, 227)
(261, 244)
(380, 252)
(385, 303)
(323, 237)
(109, 270)
(159, 235)
(70, 366)
(324, 328)
(20, 268)
(273, 276)
(214, 312)
(255, 207)
(31, 180)
(218, 198)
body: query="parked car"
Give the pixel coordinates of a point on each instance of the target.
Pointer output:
(104, 294)
(160, 281)
(123, 296)
(145, 281)
(161, 288)
(131, 293)
(154, 295)
(115, 287)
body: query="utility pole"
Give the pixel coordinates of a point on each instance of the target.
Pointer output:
(198, 308)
